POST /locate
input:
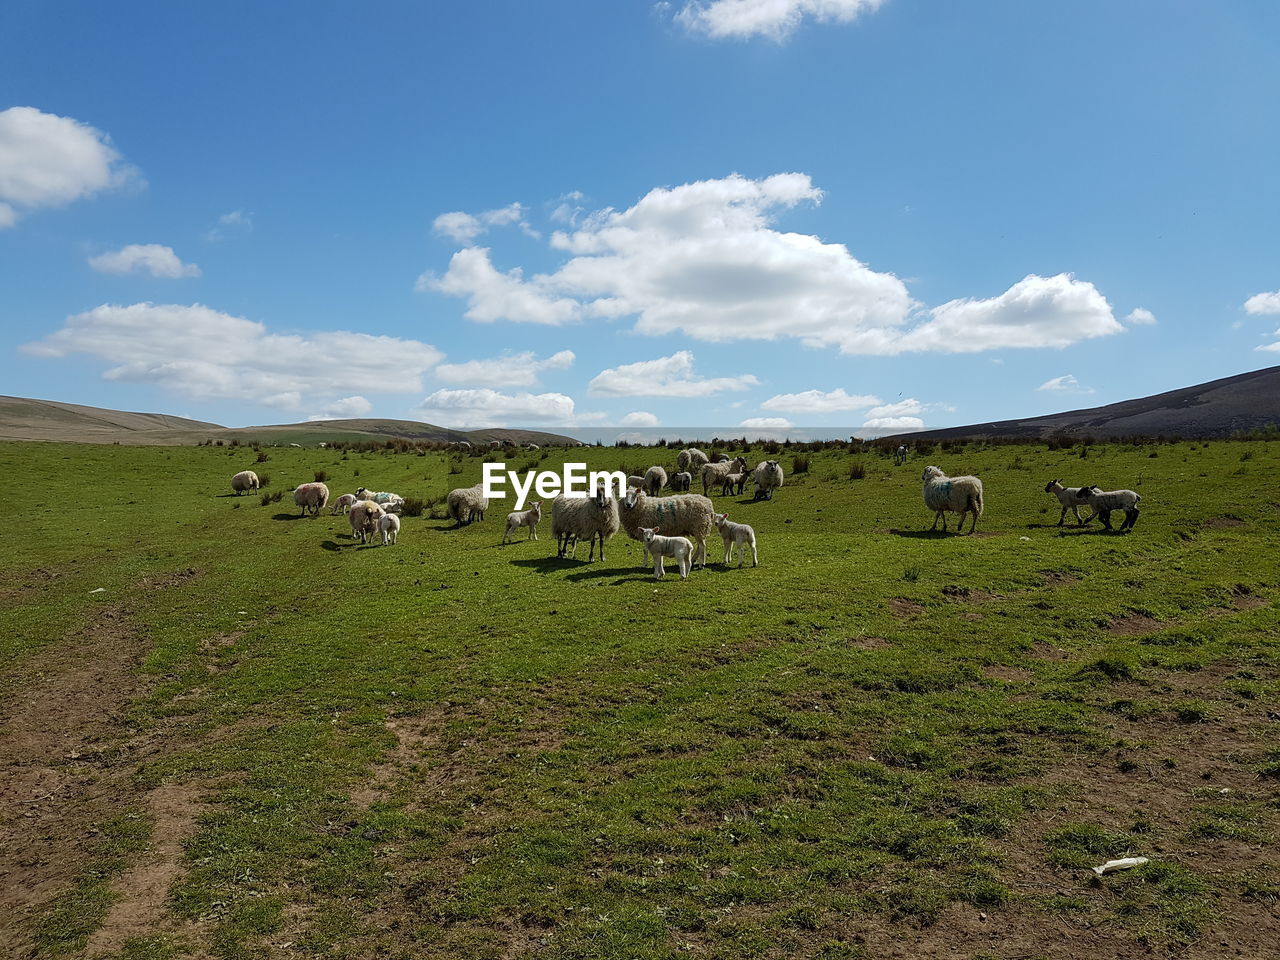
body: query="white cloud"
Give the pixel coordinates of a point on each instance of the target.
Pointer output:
(465, 227)
(639, 418)
(50, 161)
(900, 415)
(1273, 347)
(489, 408)
(773, 19)
(817, 402)
(202, 353)
(767, 423)
(158, 260)
(1064, 384)
(513, 370)
(229, 224)
(910, 405)
(1263, 304)
(493, 295)
(671, 376)
(344, 409)
(1141, 316)
(894, 423)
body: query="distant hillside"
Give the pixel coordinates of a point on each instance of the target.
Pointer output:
(24, 419)
(1219, 408)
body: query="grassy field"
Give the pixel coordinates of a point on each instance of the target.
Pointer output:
(259, 739)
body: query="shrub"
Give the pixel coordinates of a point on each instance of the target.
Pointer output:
(413, 507)
(321, 476)
(264, 479)
(857, 470)
(262, 457)
(800, 463)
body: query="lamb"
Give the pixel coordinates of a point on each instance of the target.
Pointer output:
(767, 478)
(524, 518)
(389, 524)
(635, 481)
(733, 484)
(655, 478)
(583, 518)
(1103, 502)
(740, 535)
(714, 473)
(678, 548)
(532, 446)
(311, 497)
(719, 457)
(957, 494)
(344, 503)
(467, 504)
(900, 455)
(364, 517)
(691, 459)
(495, 444)
(391, 502)
(1067, 497)
(244, 480)
(685, 515)
(682, 481)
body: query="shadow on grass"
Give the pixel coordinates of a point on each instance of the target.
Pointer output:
(1099, 531)
(926, 534)
(289, 516)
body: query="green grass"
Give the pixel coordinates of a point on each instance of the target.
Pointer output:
(601, 765)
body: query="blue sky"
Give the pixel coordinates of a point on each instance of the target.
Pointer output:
(807, 212)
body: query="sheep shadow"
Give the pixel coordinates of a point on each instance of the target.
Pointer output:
(927, 534)
(454, 525)
(289, 516)
(1100, 531)
(548, 564)
(617, 575)
(331, 546)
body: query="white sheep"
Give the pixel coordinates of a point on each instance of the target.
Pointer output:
(767, 477)
(635, 480)
(583, 518)
(244, 480)
(691, 459)
(391, 502)
(532, 446)
(344, 503)
(658, 547)
(738, 535)
(682, 481)
(956, 494)
(713, 474)
(364, 518)
(523, 518)
(655, 478)
(311, 497)
(495, 444)
(389, 524)
(733, 484)
(467, 504)
(686, 515)
(900, 455)
(1104, 501)
(1067, 497)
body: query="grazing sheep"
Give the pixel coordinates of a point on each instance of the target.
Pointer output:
(364, 517)
(736, 534)
(1067, 497)
(389, 524)
(311, 497)
(464, 445)
(1103, 502)
(691, 459)
(767, 478)
(678, 548)
(900, 455)
(244, 480)
(655, 478)
(344, 503)
(583, 518)
(685, 515)
(467, 503)
(392, 502)
(524, 518)
(495, 444)
(719, 457)
(713, 474)
(682, 481)
(956, 494)
(635, 481)
(532, 446)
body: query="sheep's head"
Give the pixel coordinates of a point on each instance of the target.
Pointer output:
(720, 518)
(932, 472)
(635, 496)
(1049, 487)
(648, 533)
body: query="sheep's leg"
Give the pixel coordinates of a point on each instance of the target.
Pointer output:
(684, 566)
(755, 560)
(658, 571)
(701, 557)
(1105, 517)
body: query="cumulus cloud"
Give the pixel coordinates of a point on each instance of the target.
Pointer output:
(1272, 347)
(49, 161)
(202, 353)
(772, 19)
(900, 415)
(1141, 316)
(1064, 384)
(152, 258)
(639, 418)
(1263, 304)
(705, 260)
(894, 423)
(766, 423)
(512, 370)
(466, 227)
(671, 376)
(344, 409)
(489, 408)
(818, 402)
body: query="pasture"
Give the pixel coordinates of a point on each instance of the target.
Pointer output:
(259, 739)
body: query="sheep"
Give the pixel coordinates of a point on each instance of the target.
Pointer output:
(532, 446)
(691, 459)
(678, 548)
(364, 518)
(1103, 502)
(635, 481)
(311, 497)
(524, 518)
(1067, 497)
(740, 535)
(686, 515)
(733, 484)
(583, 518)
(900, 455)
(719, 457)
(957, 494)
(389, 524)
(714, 473)
(467, 503)
(244, 480)
(655, 478)
(767, 477)
(392, 502)
(495, 444)
(344, 503)
(682, 481)
(464, 445)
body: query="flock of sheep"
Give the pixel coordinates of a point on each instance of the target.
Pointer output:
(674, 527)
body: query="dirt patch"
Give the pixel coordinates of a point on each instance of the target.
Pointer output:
(1058, 578)
(904, 609)
(970, 594)
(868, 643)
(1224, 523)
(998, 671)
(1133, 625)
(167, 581)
